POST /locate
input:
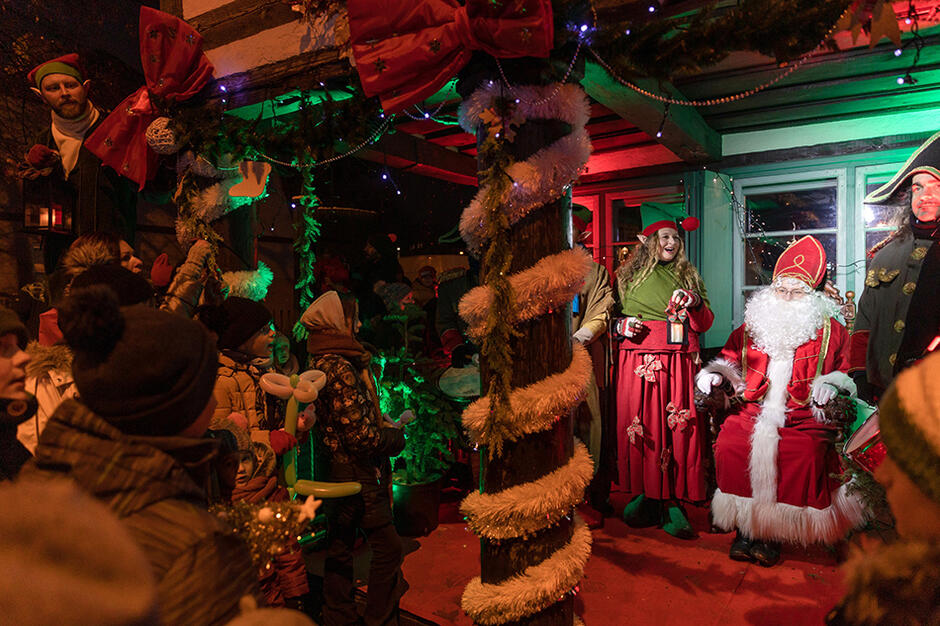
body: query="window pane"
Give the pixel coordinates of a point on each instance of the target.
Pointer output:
(627, 222)
(792, 210)
(876, 215)
(760, 256)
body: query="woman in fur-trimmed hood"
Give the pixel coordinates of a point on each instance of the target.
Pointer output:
(359, 444)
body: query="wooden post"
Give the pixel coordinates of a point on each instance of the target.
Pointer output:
(542, 349)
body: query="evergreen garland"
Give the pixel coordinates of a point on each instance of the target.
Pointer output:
(308, 232)
(497, 259)
(319, 130)
(637, 43)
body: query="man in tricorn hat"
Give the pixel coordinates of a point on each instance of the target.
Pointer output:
(774, 455)
(98, 198)
(899, 311)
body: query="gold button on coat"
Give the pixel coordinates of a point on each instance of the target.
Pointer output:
(892, 359)
(899, 326)
(909, 288)
(919, 253)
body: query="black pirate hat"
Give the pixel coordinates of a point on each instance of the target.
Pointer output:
(925, 160)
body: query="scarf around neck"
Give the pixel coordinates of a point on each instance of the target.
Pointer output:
(320, 343)
(69, 135)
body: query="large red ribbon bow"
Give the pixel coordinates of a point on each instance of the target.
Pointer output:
(406, 50)
(175, 69)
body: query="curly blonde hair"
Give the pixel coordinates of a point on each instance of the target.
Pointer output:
(643, 258)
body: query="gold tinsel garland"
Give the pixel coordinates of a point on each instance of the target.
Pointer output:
(527, 508)
(267, 528)
(537, 588)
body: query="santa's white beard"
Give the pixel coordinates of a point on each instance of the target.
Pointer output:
(779, 326)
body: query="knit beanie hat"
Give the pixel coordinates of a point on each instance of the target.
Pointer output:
(129, 287)
(241, 318)
(144, 371)
(909, 415)
(10, 323)
(66, 559)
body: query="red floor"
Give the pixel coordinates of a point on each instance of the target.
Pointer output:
(644, 576)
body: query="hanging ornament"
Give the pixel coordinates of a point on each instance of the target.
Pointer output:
(161, 138)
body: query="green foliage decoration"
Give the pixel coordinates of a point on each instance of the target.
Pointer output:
(638, 43)
(496, 349)
(308, 232)
(405, 382)
(320, 130)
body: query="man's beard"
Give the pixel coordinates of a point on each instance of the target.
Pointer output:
(71, 110)
(780, 326)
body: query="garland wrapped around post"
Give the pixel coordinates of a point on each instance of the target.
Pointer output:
(534, 548)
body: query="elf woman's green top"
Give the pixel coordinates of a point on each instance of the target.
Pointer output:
(648, 300)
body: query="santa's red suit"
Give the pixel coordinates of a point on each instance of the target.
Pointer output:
(774, 456)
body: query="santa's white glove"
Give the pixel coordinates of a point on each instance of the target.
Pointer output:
(628, 327)
(583, 336)
(823, 393)
(684, 299)
(708, 380)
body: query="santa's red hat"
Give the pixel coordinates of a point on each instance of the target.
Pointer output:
(68, 64)
(803, 260)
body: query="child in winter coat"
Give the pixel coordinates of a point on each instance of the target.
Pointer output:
(134, 441)
(245, 338)
(285, 583)
(351, 427)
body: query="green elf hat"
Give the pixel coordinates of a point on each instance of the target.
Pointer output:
(925, 160)
(657, 215)
(68, 64)
(909, 417)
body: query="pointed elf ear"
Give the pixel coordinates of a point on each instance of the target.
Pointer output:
(86, 85)
(642, 239)
(37, 92)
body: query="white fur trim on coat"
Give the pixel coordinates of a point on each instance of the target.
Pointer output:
(765, 438)
(727, 369)
(785, 522)
(250, 284)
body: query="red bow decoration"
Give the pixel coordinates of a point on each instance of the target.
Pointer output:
(634, 430)
(175, 69)
(406, 50)
(677, 417)
(650, 366)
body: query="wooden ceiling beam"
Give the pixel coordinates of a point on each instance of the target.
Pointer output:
(402, 150)
(684, 132)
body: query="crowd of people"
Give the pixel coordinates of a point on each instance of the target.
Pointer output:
(147, 396)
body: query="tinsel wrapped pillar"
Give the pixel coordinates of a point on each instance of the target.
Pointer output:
(531, 145)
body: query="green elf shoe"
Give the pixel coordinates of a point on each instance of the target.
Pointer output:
(676, 524)
(642, 512)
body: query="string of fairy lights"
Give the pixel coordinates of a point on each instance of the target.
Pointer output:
(752, 228)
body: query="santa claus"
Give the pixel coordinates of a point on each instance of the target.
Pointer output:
(774, 455)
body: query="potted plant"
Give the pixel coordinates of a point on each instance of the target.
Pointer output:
(405, 384)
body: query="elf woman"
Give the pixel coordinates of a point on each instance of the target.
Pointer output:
(660, 438)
